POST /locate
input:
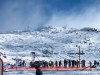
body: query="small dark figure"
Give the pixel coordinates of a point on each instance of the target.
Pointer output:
(56, 63)
(46, 64)
(23, 63)
(73, 63)
(60, 63)
(69, 63)
(90, 63)
(83, 63)
(65, 63)
(95, 64)
(51, 63)
(77, 63)
(38, 70)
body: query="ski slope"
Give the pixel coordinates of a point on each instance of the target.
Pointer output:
(51, 43)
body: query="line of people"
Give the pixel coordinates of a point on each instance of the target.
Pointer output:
(70, 63)
(58, 63)
(65, 63)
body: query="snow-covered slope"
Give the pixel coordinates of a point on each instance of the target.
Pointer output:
(51, 42)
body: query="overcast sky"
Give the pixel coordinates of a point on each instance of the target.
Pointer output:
(18, 14)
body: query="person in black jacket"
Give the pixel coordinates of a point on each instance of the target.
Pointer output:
(65, 63)
(38, 70)
(60, 63)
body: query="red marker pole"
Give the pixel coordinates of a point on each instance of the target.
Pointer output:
(1, 67)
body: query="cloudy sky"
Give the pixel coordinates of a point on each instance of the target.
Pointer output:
(19, 14)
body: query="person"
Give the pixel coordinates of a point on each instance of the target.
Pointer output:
(90, 64)
(73, 63)
(50, 63)
(77, 63)
(95, 64)
(65, 63)
(46, 63)
(69, 63)
(60, 63)
(38, 70)
(23, 63)
(83, 63)
(56, 63)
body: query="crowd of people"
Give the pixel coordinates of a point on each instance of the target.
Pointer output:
(19, 63)
(22, 63)
(65, 63)
(57, 63)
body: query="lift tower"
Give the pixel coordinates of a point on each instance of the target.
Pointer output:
(79, 54)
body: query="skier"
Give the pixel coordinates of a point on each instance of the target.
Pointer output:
(38, 70)
(73, 63)
(95, 64)
(69, 63)
(23, 63)
(56, 63)
(77, 63)
(65, 63)
(60, 63)
(50, 63)
(83, 63)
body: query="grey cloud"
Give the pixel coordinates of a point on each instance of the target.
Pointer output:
(89, 17)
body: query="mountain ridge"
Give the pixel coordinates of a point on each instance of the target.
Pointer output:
(51, 43)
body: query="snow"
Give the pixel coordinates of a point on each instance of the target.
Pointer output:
(51, 43)
(54, 73)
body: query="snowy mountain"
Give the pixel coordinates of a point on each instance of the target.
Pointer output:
(51, 42)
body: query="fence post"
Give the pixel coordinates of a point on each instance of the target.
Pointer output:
(1, 67)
